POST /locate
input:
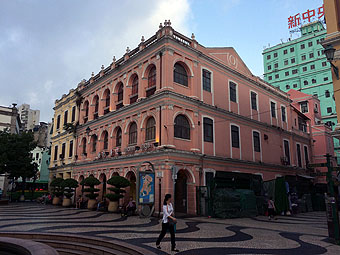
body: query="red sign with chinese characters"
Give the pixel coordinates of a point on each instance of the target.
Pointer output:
(296, 20)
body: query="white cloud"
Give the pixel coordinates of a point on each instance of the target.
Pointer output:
(56, 44)
(176, 10)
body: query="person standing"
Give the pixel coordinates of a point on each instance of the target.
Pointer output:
(271, 208)
(0, 193)
(168, 223)
(79, 202)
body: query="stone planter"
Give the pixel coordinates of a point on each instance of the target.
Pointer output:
(56, 201)
(66, 202)
(113, 206)
(22, 198)
(91, 204)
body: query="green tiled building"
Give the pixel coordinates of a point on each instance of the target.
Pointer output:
(301, 64)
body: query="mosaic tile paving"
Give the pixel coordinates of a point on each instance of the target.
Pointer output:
(301, 234)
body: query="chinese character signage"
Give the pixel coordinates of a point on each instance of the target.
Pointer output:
(146, 188)
(307, 16)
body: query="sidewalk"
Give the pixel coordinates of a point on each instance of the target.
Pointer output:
(301, 234)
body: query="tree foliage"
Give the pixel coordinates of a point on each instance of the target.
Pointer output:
(119, 183)
(15, 155)
(57, 189)
(90, 182)
(68, 186)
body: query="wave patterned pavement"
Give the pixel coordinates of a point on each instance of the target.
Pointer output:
(301, 234)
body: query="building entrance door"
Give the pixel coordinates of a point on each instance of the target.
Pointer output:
(181, 192)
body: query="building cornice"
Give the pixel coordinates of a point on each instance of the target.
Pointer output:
(292, 42)
(60, 103)
(333, 38)
(179, 153)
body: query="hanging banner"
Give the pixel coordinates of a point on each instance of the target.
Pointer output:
(146, 188)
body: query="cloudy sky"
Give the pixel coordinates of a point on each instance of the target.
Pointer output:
(48, 46)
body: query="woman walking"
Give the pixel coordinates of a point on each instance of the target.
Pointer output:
(168, 222)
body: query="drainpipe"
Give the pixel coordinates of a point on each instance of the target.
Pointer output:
(160, 68)
(160, 107)
(160, 197)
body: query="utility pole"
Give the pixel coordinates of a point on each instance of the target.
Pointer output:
(331, 204)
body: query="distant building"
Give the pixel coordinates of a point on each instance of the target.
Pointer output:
(9, 119)
(301, 65)
(29, 117)
(321, 133)
(41, 157)
(42, 134)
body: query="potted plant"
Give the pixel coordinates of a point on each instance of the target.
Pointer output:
(68, 185)
(119, 183)
(57, 190)
(90, 182)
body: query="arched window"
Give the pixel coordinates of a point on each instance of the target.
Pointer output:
(180, 74)
(86, 109)
(84, 146)
(119, 137)
(105, 140)
(182, 127)
(107, 101)
(94, 143)
(133, 133)
(135, 85)
(134, 92)
(305, 82)
(150, 129)
(96, 107)
(120, 96)
(151, 82)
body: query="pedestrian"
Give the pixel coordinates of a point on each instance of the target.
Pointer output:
(79, 202)
(130, 208)
(168, 223)
(271, 208)
(0, 193)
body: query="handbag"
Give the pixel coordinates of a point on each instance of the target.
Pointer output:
(171, 221)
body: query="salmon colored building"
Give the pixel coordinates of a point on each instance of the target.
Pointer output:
(321, 133)
(174, 102)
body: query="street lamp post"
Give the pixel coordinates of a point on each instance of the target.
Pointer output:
(331, 203)
(329, 52)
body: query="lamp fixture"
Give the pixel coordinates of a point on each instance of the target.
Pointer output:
(88, 130)
(329, 52)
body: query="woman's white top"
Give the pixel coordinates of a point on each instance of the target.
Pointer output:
(167, 211)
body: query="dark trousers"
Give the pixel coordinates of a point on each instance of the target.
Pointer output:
(165, 227)
(271, 212)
